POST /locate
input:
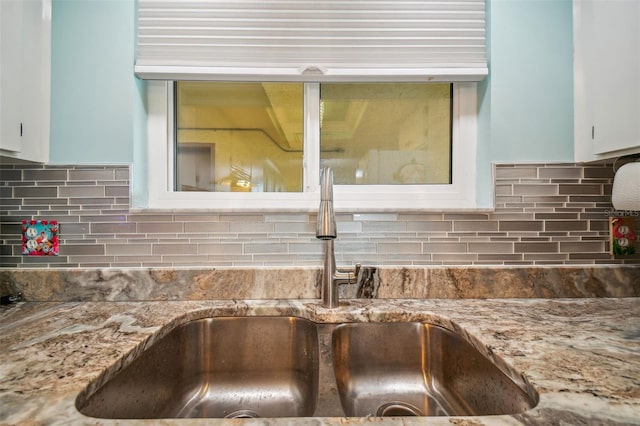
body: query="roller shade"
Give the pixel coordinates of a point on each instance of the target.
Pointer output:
(311, 40)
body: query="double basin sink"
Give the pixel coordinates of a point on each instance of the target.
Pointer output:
(246, 367)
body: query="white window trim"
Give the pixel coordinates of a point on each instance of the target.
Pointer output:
(459, 195)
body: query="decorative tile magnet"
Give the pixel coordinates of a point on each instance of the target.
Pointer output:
(40, 237)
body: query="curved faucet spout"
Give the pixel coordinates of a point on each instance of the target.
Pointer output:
(326, 226)
(326, 231)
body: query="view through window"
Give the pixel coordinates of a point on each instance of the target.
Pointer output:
(250, 137)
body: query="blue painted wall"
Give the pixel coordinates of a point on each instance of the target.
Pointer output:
(526, 103)
(531, 80)
(525, 106)
(93, 91)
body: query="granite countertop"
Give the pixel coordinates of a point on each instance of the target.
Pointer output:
(581, 355)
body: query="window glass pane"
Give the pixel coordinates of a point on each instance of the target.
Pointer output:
(239, 137)
(386, 134)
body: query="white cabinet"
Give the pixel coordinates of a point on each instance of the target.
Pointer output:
(606, 78)
(25, 79)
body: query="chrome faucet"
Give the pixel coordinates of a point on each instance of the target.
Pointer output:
(326, 231)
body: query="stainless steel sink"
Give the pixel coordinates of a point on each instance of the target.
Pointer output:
(217, 367)
(238, 367)
(416, 369)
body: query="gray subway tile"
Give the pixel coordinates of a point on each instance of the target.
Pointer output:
(44, 201)
(455, 259)
(45, 175)
(36, 191)
(175, 249)
(189, 260)
(507, 200)
(557, 216)
(113, 228)
(160, 227)
(347, 227)
(561, 173)
(536, 247)
(466, 216)
(5, 193)
(10, 175)
(582, 247)
(294, 227)
(602, 225)
(273, 260)
(298, 248)
(530, 172)
(226, 248)
(122, 173)
(499, 257)
(599, 172)
(430, 226)
(91, 175)
(475, 226)
(284, 217)
(150, 218)
(565, 225)
(502, 190)
(116, 191)
(396, 248)
(374, 217)
(81, 191)
(244, 227)
(444, 247)
(592, 199)
(491, 247)
(543, 224)
(242, 217)
(251, 248)
(524, 225)
(93, 217)
(384, 227)
(546, 256)
(353, 247)
(199, 227)
(535, 190)
(419, 217)
(185, 217)
(589, 256)
(95, 201)
(82, 249)
(580, 189)
(75, 228)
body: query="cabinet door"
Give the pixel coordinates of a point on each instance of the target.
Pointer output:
(25, 78)
(607, 86)
(10, 74)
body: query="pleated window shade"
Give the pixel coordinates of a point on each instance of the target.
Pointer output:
(311, 40)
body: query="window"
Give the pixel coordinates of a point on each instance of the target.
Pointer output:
(386, 134)
(260, 146)
(248, 99)
(248, 137)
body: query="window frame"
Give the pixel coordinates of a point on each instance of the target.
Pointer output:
(458, 195)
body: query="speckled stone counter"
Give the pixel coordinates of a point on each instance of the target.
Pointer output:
(581, 355)
(148, 284)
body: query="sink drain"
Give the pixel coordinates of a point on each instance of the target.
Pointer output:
(242, 414)
(392, 409)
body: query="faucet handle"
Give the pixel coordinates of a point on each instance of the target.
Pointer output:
(356, 273)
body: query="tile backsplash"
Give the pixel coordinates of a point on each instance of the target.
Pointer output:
(545, 214)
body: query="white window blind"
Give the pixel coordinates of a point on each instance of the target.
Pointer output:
(311, 40)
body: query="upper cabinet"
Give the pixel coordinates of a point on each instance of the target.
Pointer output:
(606, 78)
(25, 79)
